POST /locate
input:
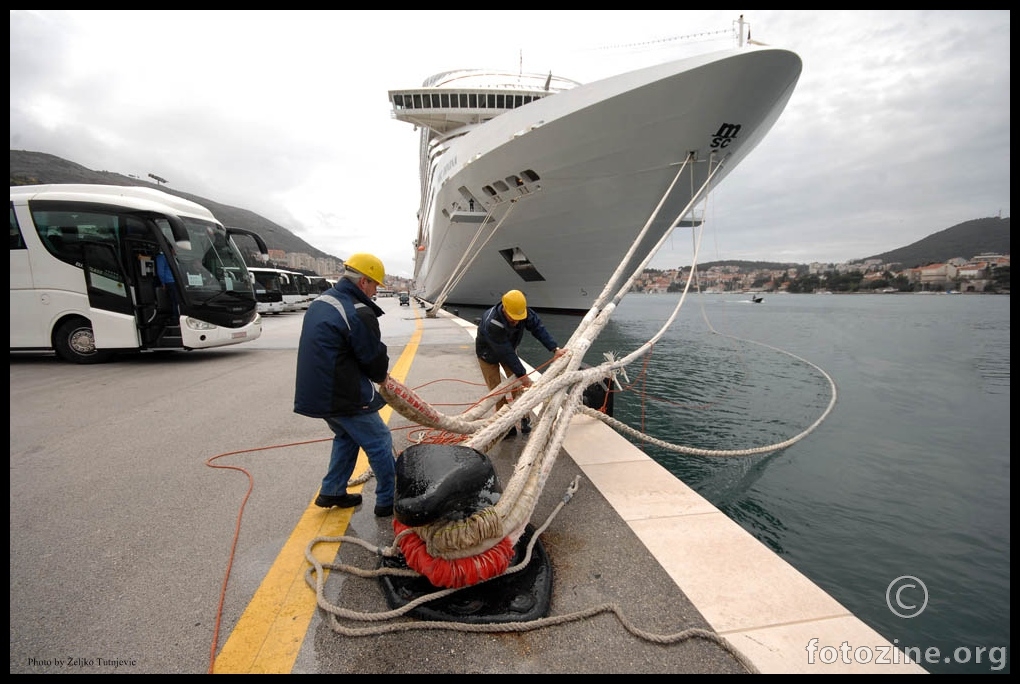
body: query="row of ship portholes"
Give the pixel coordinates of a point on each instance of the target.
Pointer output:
(520, 183)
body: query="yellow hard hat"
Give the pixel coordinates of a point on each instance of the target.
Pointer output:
(515, 305)
(367, 265)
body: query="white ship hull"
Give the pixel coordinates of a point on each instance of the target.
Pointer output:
(584, 170)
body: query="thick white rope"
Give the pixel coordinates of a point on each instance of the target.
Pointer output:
(564, 377)
(462, 268)
(315, 577)
(557, 394)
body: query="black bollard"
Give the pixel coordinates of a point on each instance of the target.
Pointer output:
(598, 395)
(450, 482)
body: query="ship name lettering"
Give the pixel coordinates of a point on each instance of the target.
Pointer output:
(446, 169)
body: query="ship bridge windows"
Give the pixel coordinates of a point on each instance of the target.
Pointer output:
(460, 100)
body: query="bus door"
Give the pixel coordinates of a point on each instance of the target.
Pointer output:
(111, 308)
(154, 300)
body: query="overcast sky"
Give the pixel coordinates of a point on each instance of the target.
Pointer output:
(898, 128)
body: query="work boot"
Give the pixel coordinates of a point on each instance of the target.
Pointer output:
(342, 501)
(525, 425)
(511, 433)
(384, 511)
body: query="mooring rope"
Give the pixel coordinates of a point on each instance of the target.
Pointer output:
(315, 576)
(469, 256)
(557, 396)
(552, 621)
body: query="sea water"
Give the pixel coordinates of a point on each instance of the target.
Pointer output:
(897, 502)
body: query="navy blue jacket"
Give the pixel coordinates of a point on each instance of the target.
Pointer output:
(340, 354)
(497, 341)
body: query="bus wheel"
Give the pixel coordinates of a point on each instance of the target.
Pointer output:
(74, 341)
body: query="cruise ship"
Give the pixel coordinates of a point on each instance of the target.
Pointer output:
(542, 184)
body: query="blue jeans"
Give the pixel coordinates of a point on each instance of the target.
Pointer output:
(364, 431)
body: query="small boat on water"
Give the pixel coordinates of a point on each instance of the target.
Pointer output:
(757, 299)
(542, 184)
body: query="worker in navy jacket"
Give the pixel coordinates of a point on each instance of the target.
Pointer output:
(500, 332)
(340, 357)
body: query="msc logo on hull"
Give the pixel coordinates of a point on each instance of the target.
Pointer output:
(724, 136)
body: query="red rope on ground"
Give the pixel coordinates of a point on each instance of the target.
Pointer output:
(237, 532)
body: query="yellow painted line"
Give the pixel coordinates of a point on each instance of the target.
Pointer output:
(268, 635)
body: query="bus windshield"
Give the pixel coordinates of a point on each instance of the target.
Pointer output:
(207, 261)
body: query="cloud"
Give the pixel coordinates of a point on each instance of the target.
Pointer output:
(898, 128)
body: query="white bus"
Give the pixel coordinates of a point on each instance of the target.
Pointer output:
(304, 285)
(288, 283)
(268, 290)
(317, 285)
(102, 269)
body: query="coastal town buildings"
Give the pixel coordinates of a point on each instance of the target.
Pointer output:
(977, 274)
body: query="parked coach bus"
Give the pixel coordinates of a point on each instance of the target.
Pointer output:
(304, 286)
(317, 285)
(284, 281)
(268, 290)
(102, 269)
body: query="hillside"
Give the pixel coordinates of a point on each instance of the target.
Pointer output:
(968, 239)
